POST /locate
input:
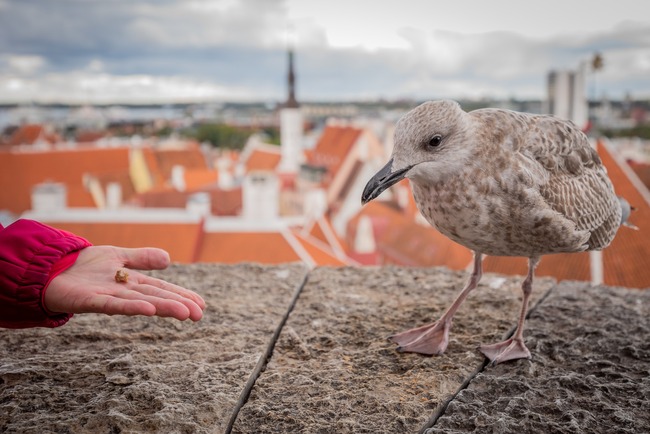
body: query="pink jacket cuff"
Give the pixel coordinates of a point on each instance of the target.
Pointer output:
(30, 256)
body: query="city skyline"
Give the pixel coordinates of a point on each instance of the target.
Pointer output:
(76, 51)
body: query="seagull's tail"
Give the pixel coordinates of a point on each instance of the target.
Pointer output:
(626, 210)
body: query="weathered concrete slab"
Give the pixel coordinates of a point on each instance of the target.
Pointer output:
(117, 374)
(590, 371)
(333, 370)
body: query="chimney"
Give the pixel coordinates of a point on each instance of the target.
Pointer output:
(315, 204)
(224, 169)
(596, 267)
(113, 195)
(261, 195)
(178, 177)
(364, 239)
(199, 203)
(49, 196)
(364, 248)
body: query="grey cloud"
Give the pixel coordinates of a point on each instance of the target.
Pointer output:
(96, 27)
(511, 62)
(242, 44)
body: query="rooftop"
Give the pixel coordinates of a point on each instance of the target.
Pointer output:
(285, 349)
(24, 169)
(332, 147)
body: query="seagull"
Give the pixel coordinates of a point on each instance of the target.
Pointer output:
(501, 183)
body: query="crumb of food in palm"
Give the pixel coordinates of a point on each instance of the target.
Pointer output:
(121, 276)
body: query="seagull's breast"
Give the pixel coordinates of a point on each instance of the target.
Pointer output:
(496, 214)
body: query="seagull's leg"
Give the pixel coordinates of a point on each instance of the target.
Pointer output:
(514, 348)
(433, 338)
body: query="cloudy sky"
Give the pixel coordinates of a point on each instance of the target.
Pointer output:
(205, 50)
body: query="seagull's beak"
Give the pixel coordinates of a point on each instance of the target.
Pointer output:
(382, 180)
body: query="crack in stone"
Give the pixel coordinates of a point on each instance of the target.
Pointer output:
(265, 357)
(442, 408)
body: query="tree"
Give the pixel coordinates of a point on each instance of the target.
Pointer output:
(597, 64)
(222, 135)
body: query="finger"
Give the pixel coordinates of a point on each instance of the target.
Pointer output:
(195, 311)
(111, 305)
(183, 292)
(165, 307)
(171, 309)
(146, 258)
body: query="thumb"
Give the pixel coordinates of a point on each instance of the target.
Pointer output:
(146, 258)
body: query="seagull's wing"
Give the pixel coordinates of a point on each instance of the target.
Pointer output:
(576, 183)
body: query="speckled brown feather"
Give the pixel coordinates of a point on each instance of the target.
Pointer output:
(577, 185)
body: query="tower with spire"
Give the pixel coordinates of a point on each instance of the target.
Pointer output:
(291, 126)
(291, 84)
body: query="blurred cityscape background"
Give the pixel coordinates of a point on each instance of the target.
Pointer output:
(236, 130)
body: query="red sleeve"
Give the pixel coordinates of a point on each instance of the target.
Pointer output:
(31, 255)
(59, 267)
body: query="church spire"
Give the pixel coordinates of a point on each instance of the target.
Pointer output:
(291, 81)
(291, 127)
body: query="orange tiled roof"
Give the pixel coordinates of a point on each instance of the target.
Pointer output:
(189, 157)
(320, 252)
(402, 241)
(626, 261)
(89, 136)
(223, 202)
(21, 171)
(322, 230)
(332, 147)
(161, 198)
(227, 202)
(179, 239)
(317, 232)
(198, 178)
(562, 266)
(122, 178)
(642, 170)
(266, 247)
(78, 197)
(263, 159)
(29, 134)
(235, 247)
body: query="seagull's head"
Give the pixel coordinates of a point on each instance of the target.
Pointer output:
(429, 144)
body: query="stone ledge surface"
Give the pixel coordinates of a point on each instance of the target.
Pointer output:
(590, 370)
(332, 369)
(100, 374)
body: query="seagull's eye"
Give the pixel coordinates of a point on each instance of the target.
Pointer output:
(435, 141)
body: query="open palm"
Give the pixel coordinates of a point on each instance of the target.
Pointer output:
(89, 286)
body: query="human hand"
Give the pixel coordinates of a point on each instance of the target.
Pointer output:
(89, 286)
